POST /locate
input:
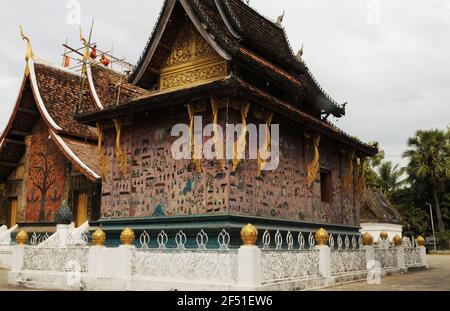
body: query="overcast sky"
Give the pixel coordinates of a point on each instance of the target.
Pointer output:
(390, 59)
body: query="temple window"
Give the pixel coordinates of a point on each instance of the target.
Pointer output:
(325, 186)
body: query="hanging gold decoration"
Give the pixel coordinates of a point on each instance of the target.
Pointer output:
(240, 145)
(314, 166)
(121, 156)
(348, 179)
(196, 159)
(101, 157)
(264, 152)
(217, 143)
(362, 175)
(29, 54)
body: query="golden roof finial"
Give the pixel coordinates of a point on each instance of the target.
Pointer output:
(29, 55)
(85, 46)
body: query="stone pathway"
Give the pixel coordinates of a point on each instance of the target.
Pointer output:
(436, 278)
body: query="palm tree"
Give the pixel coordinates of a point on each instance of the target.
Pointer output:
(389, 176)
(429, 163)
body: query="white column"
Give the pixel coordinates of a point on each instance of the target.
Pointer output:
(249, 267)
(325, 264)
(17, 258)
(324, 260)
(94, 261)
(400, 257)
(370, 255)
(423, 256)
(63, 234)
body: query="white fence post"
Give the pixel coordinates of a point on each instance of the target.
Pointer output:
(17, 258)
(401, 257)
(325, 263)
(249, 267)
(370, 253)
(423, 256)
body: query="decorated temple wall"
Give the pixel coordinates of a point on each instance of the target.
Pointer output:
(46, 177)
(284, 193)
(42, 181)
(158, 185)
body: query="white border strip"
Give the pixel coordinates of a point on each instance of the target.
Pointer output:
(39, 98)
(73, 155)
(92, 87)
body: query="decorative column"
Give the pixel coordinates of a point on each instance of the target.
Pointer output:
(367, 239)
(19, 252)
(64, 219)
(98, 244)
(400, 252)
(249, 260)
(422, 251)
(322, 238)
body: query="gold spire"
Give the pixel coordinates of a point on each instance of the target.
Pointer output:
(85, 46)
(29, 55)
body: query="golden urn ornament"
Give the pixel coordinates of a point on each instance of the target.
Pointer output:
(367, 239)
(420, 241)
(22, 237)
(384, 235)
(249, 235)
(127, 237)
(322, 237)
(98, 238)
(398, 240)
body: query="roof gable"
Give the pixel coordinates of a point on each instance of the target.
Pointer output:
(51, 94)
(172, 19)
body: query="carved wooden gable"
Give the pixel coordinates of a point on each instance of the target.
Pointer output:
(192, 61)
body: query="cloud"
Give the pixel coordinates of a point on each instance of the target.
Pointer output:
(394, 73)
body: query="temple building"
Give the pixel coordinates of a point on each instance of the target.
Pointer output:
(378, 215)
(223, 61)
(46, 156)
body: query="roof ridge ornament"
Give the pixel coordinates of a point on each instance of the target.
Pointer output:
(29, 54)
(280, 19)
(299, 55)
(85, 46)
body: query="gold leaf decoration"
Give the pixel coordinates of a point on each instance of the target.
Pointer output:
(264, 152)
(314, 166)
(348, 179)
(217, 144)
(101, 155)
(240, 145)
(121, 156)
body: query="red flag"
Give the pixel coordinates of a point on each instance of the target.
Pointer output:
(105, 60)
(66, 61)
(93, 54)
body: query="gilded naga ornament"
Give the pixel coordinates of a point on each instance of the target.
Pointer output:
(314, 166)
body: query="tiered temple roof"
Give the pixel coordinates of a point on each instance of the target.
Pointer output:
(263, 68)
(54, 94)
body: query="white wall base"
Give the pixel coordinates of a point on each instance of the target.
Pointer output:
(375, 229)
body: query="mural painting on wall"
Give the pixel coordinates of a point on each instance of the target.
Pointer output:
(45, 179)
(158, 185)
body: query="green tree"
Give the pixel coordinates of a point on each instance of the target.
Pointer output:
(429, 163)
(372, 164)
(389, 176)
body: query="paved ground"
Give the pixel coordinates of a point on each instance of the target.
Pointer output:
(436, 278)
(433, 279)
